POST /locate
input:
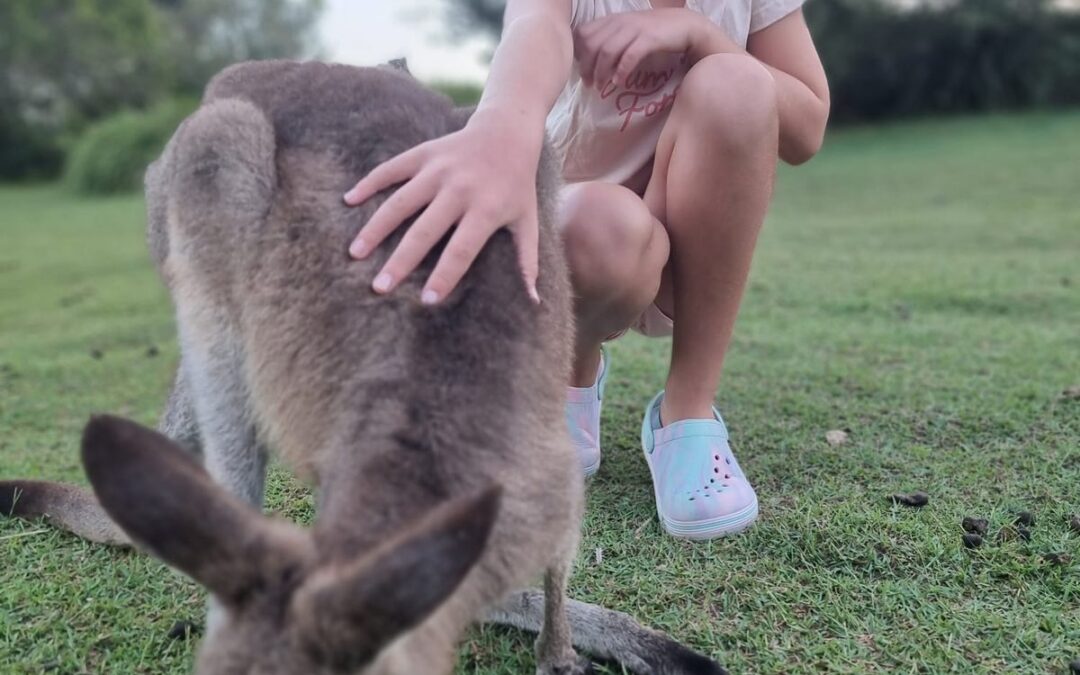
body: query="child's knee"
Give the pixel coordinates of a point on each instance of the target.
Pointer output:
(607, 232)
(731, 100)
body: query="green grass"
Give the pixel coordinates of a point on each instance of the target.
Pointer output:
(917, 284)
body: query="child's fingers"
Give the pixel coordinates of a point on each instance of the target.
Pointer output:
(610, 55)
(395, 170)
(586, 58)
(629, 60)
(407, 200)
(456, 259)
(422, 236)
(588, 41)
(527, 237)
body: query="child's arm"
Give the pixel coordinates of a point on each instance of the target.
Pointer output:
(788, 50)
(483, 177)
(613, 46)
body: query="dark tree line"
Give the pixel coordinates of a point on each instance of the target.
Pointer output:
(938, 57)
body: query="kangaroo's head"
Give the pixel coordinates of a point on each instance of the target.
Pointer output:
(284, 610)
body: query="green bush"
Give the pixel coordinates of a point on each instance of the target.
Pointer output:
(112, 155)
(884, 60)
(461, 93)
(27, 153)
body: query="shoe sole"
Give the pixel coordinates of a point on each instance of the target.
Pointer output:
(591, 470)
(723, 526)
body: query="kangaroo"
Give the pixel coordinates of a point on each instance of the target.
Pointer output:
(435, 435)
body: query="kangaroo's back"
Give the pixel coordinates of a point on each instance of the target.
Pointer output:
(316, 337)
(393, 407)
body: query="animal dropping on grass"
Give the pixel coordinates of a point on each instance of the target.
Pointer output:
(1059, 559)
(183, 630)
(915, 500)
(1025, 518)
(976, 525)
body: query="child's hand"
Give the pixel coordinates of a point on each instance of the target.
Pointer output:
(481, 179)
(610, 48)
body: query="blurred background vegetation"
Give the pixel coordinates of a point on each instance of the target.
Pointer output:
(900, 58)
(81, 77)
(92, 88)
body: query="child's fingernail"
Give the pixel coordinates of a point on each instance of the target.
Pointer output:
(358, 249)
(534, 295)
(349, 196)
(429, 297)
(382, 282)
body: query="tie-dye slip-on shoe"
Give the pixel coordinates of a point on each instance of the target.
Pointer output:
(583, 417)
(701, 493)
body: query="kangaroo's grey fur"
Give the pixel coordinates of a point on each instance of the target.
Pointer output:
(435, 434)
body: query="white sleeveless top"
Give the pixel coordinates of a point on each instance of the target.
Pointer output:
(608, 134)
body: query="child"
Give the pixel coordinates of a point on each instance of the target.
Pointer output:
(669, 117)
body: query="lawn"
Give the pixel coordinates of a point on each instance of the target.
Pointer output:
(917, 285)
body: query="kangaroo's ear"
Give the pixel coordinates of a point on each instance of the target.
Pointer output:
(169, 505)
(347, 615)
(401, 64)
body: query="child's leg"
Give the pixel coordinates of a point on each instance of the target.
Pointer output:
(616, 250)
(711, 184)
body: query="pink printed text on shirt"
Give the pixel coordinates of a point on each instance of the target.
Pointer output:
(633, 99)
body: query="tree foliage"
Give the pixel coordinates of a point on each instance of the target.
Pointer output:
(477, 15)
(66, 63)
(80, 57)
(960, 56)
(210, 34)
(112, 155)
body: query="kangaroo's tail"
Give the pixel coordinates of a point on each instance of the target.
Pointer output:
(66, 506)
(611, 635)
